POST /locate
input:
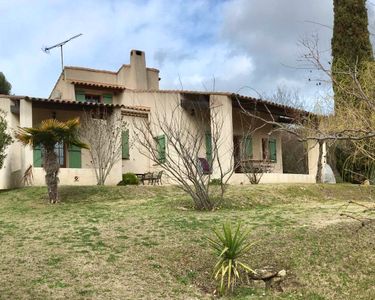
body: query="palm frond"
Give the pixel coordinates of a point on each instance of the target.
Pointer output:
(50, 132)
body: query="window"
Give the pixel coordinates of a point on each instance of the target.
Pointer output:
(160, 147)
(80, 96)
(60, 151)
(84, 96)
(92, 98)
(269, 149)
(107, 99)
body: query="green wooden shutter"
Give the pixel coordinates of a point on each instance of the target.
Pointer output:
(209, 147)
(80, 96)
(37, 156)
(272, 149)
(125, 144)
(107, 99)
(74, 157)
(161, 148)
(248, 147)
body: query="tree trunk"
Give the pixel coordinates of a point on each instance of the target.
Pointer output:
(51, 166)
(320, 165)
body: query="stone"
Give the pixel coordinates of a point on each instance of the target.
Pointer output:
(281, 273)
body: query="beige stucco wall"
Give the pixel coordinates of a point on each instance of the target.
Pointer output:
(152, 79)
(10, 174)
(244, 124)
(91, 75)
(67, 176)
(86, 174)
(63, 89)
(137, 162)
(234, 123)
(161, 104)
(19, 158)
(135, 76)
(222, 128)
(274, 178)
(66, 90)
(40, 114)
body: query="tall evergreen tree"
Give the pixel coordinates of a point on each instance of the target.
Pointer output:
(351, 52)
(351, 46)
(5, 86)
(351, 39)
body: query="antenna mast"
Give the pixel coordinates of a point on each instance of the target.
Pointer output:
(47, 49)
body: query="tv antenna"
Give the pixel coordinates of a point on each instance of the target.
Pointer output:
(47, 49)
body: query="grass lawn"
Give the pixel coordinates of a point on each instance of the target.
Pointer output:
(148, 243)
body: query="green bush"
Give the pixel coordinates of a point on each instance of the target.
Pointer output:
(129, 179)
(230, 248)
(215, 181)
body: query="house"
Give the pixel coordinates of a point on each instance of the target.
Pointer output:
(133, 91)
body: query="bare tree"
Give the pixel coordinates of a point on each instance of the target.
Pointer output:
(193, 140)
(287, 96)
(102, 131)
(352, 123)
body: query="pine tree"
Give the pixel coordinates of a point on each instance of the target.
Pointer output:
(5, 86)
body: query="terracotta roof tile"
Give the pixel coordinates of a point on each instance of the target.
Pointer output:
(90, 104)
(98, 84)
(181, 92)
(266, 102)
(233, 95)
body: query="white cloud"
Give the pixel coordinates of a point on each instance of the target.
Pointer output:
(238, 42)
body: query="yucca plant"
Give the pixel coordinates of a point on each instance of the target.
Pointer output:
(230, 248)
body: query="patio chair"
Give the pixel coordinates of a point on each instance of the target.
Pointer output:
(148, 177)
(157, 178)
(205, 166)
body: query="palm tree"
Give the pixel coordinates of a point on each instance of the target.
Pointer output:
(49, 133)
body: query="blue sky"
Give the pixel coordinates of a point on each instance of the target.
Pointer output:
(231, 45)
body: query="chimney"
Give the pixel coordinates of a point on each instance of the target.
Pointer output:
(138, 72)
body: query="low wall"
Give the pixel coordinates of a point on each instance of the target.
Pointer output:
(274, 178)
(238, 179)
(69, 176)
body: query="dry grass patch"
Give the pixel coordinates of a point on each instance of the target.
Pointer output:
(137, 242)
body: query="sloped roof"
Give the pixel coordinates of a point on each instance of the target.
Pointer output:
(234, 96)
(181, 92)
(89, 104)
(266, 103)
(98, 84)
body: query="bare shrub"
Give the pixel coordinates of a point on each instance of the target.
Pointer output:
(102, 129)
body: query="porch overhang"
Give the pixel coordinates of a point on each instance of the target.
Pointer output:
(68, 104)
(139, 111)
(282, 113)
